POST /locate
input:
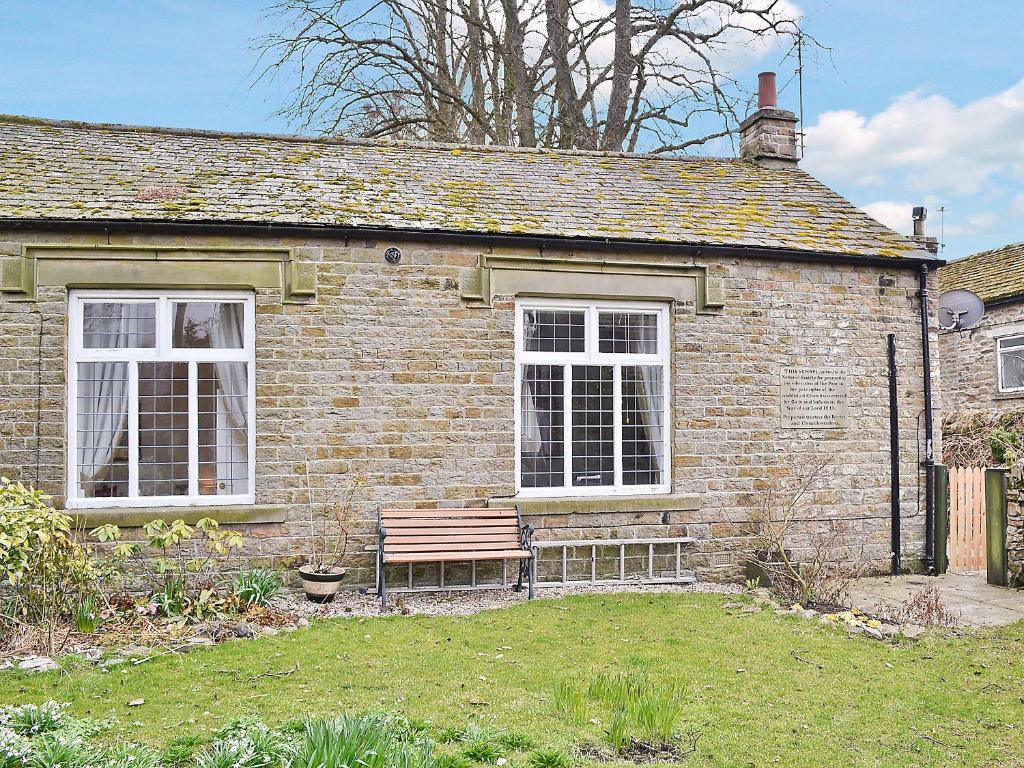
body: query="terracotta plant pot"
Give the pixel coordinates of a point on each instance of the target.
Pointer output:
(321, 587)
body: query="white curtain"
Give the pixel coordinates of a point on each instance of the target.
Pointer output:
(103, 393)
(226, 332)
(652, 409)
(531, 441)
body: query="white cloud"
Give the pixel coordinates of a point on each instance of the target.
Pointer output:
(1017, 207)
(895, 215)
(935, 145)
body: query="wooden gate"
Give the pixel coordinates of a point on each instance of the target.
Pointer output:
(967, 552)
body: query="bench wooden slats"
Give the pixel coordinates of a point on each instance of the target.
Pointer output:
(452, 535)
(495, 554)
(395, 550)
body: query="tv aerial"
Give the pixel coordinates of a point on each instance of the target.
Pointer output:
(959, 310)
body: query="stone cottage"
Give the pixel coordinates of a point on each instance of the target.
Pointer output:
(627, 347)
(983, 367)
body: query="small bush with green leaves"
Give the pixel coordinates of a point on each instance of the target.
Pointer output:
(451, 734)
(54, 750)
(366, 741)
(246, 742)
(481, 751)
(548, 758)
(257, 587)
(87, 617)
(130, 756)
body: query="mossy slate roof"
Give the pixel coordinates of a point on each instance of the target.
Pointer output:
(64, 170)
(995, 274)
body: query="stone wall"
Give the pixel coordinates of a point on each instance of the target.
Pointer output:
(389, 374)
(1015, 537)
(969, 366)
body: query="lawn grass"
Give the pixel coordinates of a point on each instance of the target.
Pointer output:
(765, 689)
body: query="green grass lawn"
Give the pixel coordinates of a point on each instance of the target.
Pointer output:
(765, 689)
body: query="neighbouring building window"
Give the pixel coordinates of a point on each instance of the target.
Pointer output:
(592, 384)
(160, 398)
(1011, 363)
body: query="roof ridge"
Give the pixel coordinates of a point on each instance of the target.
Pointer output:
(347, 141)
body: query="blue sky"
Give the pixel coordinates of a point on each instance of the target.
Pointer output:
(920, 101)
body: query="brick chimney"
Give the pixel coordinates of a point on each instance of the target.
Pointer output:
(768, 136)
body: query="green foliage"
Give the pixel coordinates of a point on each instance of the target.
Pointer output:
(481, 751)
(1005, 444)
(451, 735)
(447, 761)
(130, 756)
(548, 758)
(87, 617)
(363, 741)
(179, 751)
(180, 563)
(14, 749)
(58, 751)
(33, 719)
(570, 702)
(618, 731)
(515, 741)
(46, 569)
(257, 587)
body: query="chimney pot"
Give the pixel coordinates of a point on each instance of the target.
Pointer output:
(768, 136)
(766, 95)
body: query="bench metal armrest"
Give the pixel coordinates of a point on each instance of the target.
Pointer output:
(526, 536)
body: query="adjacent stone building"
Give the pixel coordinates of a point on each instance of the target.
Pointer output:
(983, 367)
(627, 347)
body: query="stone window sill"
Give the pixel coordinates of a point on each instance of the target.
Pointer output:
(561, 505)
(1009, 395)
(135, 517)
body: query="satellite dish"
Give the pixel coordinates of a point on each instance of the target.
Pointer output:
(959, 310)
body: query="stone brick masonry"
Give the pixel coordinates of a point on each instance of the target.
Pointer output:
(390, 375)
(969, 365)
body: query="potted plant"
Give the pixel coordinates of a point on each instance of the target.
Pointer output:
(330, 520)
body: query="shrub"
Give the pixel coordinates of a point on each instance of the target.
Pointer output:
(548, 758)
(47, 570)
(257, 587)
(481, 751)
(182, 566)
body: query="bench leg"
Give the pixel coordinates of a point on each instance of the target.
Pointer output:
(519, 582)
(530, 571)
(382, 585)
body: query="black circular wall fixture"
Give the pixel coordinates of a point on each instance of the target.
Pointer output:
(392, 255)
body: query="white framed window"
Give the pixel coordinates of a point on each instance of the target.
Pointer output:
(1010, 356)
(592, 398)
(161, 398)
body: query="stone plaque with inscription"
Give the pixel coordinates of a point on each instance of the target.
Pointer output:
(814, 398)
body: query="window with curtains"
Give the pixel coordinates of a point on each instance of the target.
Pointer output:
(1010, 351)
(592, 384)
(160, 398)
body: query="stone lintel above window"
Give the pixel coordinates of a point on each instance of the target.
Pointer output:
(523, 274)
(292, 270)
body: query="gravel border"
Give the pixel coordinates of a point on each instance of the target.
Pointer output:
(467, 602)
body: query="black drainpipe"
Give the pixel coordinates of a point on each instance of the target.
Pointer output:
(894, 457)
(929, 458)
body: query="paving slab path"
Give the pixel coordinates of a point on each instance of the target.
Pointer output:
(978, 603)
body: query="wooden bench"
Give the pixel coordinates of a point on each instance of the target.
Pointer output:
(447, 535)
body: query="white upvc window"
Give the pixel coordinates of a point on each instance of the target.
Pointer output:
(161, 398)
(1010, 355)
(592, 398)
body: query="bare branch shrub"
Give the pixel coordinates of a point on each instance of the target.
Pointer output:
(806, 560)
(924, 608)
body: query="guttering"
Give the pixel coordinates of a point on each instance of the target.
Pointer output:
(268, 229)
(896, 545)
(929, 456)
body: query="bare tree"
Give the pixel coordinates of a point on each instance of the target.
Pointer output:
(648, 76)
